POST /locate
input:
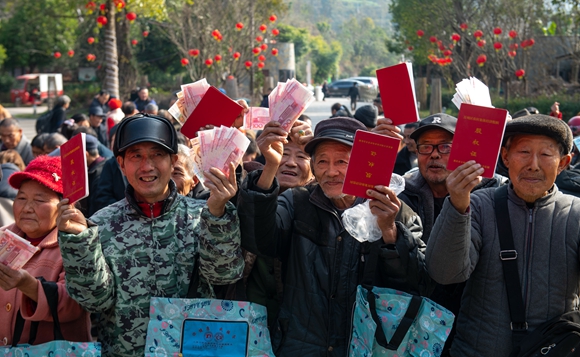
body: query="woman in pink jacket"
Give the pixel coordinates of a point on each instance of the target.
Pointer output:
(40, 189)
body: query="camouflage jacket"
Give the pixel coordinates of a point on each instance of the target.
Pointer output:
(124, 258)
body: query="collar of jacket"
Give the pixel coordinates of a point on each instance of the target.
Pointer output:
(319, 199)
(540, 202)
(167, 204)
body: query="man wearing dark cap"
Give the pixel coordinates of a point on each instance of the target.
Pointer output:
(148, 244)
(96, 119)
(367, 114)
(464, 246)
(323, 263)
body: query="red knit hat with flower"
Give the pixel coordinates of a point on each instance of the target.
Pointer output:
(45, 170)
(115, 104)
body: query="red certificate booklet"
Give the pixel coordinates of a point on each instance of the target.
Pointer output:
(75, 176)
(478, 137)
(371, 163)
(397, 88)
(215, 108)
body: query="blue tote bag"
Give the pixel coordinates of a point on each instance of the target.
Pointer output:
(391, 323)
(207, 328)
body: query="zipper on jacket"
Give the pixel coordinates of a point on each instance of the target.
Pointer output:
(528, 253)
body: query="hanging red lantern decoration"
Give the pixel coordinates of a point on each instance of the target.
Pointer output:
(236, 56)
(498, 46)
(263, 28)
(57, 55)
(463, 26)
(194, 53)
(512, 54)
(432, 58)
(514, 46)
(261, 58)
(275, 32)
(512, 34)
(90, 40)
(497, 31)
(102, 21)
(103, 8)
(145, 33)
(184, 62)
(239, 26)
(70, 53)
(248, 64)
(208, 62)
(481, 43)
(91, 57)
(433, 39)
(420, 33)
(131, 16)
(259, 39)
(260, 65)
(120, 4)
(478, 34)
(410, 48)
(447, 53)
(455, 37)
(520, 73)
(134, 42)
(274, 52)
(91, 7)
(217, 35)
(528, 43)
(273, 18)
(264, 47)
(217, 58)
(441, 47)
(531, 42)
(481, 59)
(256, 51)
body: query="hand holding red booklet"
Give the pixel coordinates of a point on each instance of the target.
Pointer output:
(397, 88)
(75, 176)
(478, 137)
(371, 163)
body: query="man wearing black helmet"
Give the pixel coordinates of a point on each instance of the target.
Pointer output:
(147, 244)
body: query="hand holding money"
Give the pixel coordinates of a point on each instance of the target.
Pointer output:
(19, 279)
(301, 132)
(222, 188)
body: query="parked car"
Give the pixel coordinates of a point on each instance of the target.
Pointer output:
(341, 87)
(368, 80)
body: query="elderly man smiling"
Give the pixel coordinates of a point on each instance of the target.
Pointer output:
(464, 243)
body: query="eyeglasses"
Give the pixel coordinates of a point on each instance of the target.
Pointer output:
(427, 149)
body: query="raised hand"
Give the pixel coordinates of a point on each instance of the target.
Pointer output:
(70, 220)
(385, 127)
(221, 188)
(385, 206)
(460, 183)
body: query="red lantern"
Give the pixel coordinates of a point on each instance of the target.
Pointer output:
(57, 55)
(455, 38)
(410, 48)
(91, 7)
(217, 35)
(514, 46)
(261, 58)
(441, 47)
(275, 32)
(420, 33)
(70, 53)
(433, 39)
(481, 59)
(260, 65)
(103, 8)
(236, 56)
(256, 51)
(531, 42)
(497, 31)
(512, 54)
(463, 26)
(259, 38)
(498, 46)
(91, 40)
(134, 42)
(478, 34)
(264, 47)
(447, 53)
(248, 64)
(91, 57)
(145, 33)
(273, 18)
(481, 43)
(208, 62)
(194, 53)
(217, 58)
(520, 73)
(102, 21)
(119, 4)
(263, 28)
(512, 34)
(131, 16)
(432, 58)
(184, 62)
(239, 26)
(274, 52)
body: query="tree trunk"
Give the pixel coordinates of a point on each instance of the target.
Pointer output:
(111, 61)
(436, 106)
(128, 73)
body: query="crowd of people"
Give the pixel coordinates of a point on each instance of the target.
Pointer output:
(271, 231)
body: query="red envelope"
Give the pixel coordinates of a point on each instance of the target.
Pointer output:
(215, 108)
(478, 137)
(371, 163)
(75, 175)
(398, 93)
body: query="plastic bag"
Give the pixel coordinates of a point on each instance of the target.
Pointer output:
(361, 223)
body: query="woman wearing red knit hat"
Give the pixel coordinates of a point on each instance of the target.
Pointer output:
(116, 114)
(35, 210)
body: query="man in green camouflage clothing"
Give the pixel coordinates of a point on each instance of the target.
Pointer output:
(146, 245)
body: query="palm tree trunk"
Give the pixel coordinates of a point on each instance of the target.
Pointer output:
(111, 60)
